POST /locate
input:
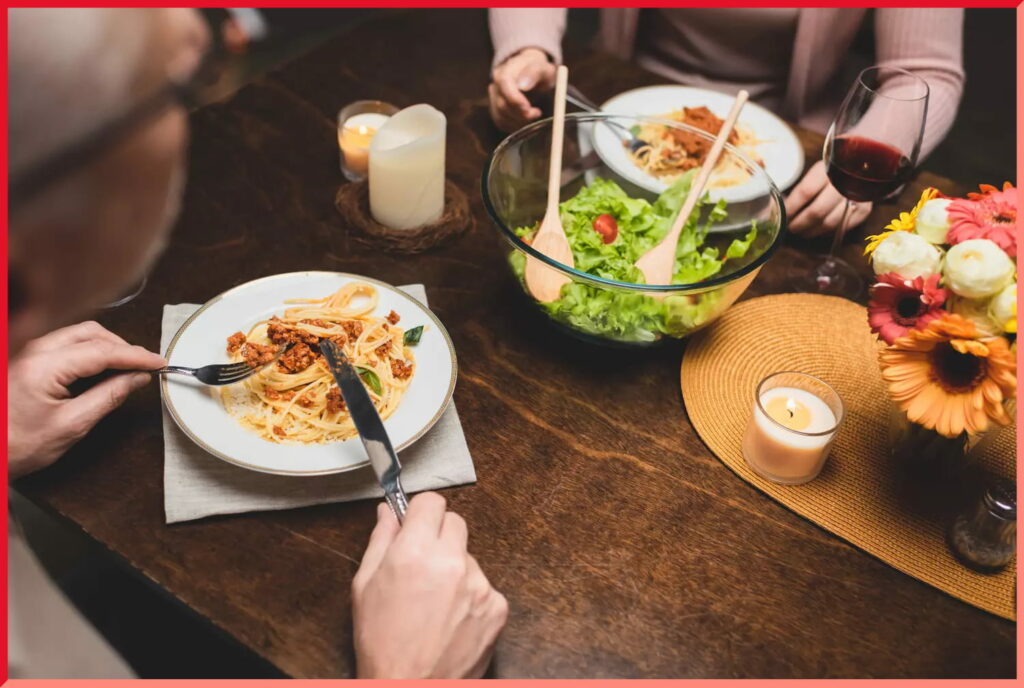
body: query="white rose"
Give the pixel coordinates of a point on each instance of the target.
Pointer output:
(906, 254)
(977, 269)
(932, 221)
(1003, 305)
(977, 312)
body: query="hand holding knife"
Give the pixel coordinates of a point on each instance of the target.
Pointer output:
(369, 425)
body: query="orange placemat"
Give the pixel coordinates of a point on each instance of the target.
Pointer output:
(856, 496)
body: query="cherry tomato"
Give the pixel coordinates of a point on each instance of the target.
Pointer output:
(607, 227)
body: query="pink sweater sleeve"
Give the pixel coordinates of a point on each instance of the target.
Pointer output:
(929, 43)
(515, 29)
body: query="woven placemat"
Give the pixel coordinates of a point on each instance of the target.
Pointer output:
(858, 495)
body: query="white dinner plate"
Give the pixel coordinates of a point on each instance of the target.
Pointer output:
(198, 410)
(780, 149)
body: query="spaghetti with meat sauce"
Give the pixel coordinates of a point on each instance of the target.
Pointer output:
(295, 400)
(668, 152)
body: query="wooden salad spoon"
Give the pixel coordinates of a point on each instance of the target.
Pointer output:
(544, 282)
(657, 263)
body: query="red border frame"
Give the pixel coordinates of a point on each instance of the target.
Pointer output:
(3, 345)
(571, 3)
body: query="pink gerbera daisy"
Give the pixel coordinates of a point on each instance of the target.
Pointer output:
(898, 305)
(991, 214)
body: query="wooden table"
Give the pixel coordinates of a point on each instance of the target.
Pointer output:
(624, 546)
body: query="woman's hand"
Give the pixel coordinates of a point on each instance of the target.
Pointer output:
(43, 419)
(527, 70)
(815, 207)
(421, 606)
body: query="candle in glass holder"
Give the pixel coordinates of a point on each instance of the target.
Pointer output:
(794, 423)
(407, 169)
(354, 139)
(358, 123)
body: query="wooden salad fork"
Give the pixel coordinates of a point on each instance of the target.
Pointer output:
(544, 282)
(656, 265)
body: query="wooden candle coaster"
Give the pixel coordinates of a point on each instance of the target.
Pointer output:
(353, 202)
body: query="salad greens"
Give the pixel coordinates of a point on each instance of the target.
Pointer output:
(632, 316)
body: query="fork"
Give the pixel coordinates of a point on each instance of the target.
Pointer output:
(576, 97)
(220, 373)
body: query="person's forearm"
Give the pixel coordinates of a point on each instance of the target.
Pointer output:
(929, 43)
(515, 29)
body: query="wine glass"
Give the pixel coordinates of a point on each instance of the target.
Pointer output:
(870, 151)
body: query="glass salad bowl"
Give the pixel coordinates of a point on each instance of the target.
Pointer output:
(613, 209)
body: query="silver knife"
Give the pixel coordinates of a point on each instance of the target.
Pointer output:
(371, 429)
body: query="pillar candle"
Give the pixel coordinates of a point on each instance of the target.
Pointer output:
(407, 168)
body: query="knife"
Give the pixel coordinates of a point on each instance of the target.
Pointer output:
(371, 429)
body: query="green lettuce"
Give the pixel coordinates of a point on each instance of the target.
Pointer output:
(627, 315)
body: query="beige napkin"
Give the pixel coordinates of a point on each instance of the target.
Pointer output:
(197, 484)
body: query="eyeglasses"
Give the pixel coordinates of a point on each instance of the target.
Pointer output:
(194, 91)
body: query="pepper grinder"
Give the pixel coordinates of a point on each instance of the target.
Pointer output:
(984, 537)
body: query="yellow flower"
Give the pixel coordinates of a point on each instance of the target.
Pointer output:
(1011, 324)
(904, 223)
(874, 240)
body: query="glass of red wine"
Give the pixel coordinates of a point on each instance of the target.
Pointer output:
(870, 152)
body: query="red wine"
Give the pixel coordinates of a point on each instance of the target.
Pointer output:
(866, 170)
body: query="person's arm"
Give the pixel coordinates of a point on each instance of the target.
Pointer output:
(929, 43)
(421, 606)
(527, 46)
(515, 29)
(43, 418)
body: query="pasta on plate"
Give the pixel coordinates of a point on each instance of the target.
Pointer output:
(668, 153)
(295, 399)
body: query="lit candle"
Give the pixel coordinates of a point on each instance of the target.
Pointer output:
(407, 169)
(786, 409)
(354, 137)
(792, 429)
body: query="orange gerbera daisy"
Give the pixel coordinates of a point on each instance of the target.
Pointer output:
(946, 378)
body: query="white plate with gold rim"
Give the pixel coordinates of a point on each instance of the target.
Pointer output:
(198, 410)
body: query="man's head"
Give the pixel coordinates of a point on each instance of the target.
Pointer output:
(89, 235)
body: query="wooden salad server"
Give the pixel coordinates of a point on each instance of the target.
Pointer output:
(657, 263)
(544, 282)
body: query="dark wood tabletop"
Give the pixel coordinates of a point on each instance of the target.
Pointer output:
(625, 547)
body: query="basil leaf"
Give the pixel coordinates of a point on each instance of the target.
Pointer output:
(370, 379)
(412, 337)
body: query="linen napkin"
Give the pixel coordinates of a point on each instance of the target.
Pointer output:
(198, 484)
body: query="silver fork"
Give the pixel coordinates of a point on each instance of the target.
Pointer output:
(576, 97)
(221, 373)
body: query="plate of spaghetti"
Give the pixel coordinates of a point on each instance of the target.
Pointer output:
(664, 154)
(290, 418)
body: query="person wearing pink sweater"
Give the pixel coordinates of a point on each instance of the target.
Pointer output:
(792, 61)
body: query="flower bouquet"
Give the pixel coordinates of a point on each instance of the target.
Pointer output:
(945, 306)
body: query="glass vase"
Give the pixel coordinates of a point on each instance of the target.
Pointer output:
(914, 445)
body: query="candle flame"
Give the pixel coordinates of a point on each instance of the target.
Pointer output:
(791, 406)
(363, 130)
